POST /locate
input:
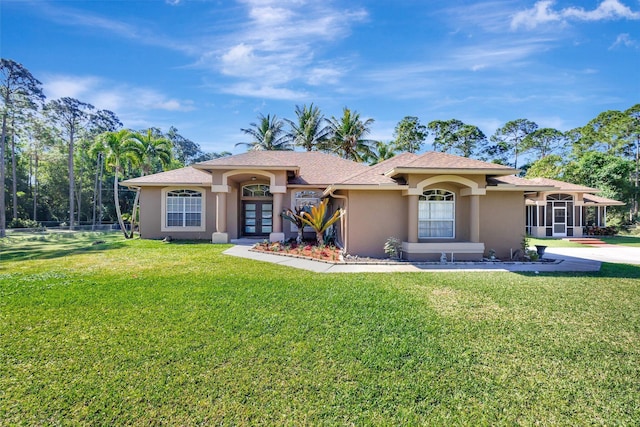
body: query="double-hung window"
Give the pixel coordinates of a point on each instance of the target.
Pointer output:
(436, 215)
(184, 208)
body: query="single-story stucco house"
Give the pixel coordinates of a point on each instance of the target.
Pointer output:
(433, 202)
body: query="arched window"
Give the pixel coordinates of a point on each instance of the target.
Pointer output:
(184, 208)
(256, 190)
(436, 215)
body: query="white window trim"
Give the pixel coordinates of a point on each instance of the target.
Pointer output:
(203, 210)
(453, 202)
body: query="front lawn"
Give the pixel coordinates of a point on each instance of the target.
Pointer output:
(149, 333)
(623, 240)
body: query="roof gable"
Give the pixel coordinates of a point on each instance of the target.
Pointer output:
(438, 160)
(310, 167)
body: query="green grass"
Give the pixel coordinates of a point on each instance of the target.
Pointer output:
(553, 243)
(622, 240)
(560, 243)
(146, 333)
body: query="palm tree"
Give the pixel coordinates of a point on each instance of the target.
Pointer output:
(116, 147)
(381, 152)
(347, 136)
(267, 135)
(152, 149)
(149, 149)
(309, 132)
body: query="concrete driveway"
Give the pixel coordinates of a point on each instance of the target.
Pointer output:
(605, 253)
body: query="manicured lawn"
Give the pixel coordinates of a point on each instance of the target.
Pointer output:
(560, 243)
(623, 240)
(553, 243)
(146, 333)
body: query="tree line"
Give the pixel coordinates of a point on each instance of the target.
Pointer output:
(63, 158)
(60, 156)
(604, 153)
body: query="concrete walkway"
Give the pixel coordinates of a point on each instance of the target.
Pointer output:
(586, 259)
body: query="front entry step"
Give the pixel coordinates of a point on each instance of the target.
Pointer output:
(588, 241)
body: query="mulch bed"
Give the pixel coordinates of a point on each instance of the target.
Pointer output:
(328, 253)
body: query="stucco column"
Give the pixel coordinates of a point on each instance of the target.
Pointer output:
(412, 219)
(474, 218)
(220, 235)
(277, 235)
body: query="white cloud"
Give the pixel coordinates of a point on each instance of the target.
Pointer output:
(92, 22)
(543, 13)
(107, 95)
(70, 86)
(607, 10)
(279, 46)
(264, 91)
(624, 40)
(318, 76)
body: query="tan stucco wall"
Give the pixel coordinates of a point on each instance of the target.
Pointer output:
(413, 180)
(239, 175)
(502, 221)
(373, 217)
(151, 216)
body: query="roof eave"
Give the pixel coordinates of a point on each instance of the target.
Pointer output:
(454, 171)
(202, 167)
(514, 187)
(378, 187)
(164, 184)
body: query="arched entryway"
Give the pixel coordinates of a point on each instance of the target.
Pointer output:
(256, 211)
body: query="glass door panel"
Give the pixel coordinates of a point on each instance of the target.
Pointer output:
(257, 218)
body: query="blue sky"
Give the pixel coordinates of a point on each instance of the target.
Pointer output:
(210, 67)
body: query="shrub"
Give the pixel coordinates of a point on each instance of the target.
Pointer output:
(26, 223)
(392, 247)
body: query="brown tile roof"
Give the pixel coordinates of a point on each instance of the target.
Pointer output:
(597, 200)
(564, 186)
(516, 181)
(312, 167)
(182, 176)
(437, 160)
(374, 175)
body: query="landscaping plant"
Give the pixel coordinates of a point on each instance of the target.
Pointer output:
(318, 221)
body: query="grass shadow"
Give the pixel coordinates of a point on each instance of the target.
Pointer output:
(34, 246)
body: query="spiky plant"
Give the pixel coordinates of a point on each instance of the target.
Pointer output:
(317, 220)
(296, 218)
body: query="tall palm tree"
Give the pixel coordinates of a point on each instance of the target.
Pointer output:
(150, 149)
(309, 132)
(347, 136)
(381, 152)
(268, 134)
(116, 147)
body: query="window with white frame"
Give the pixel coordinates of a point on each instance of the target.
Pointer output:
(184, 208)
(307, 198)
(304, 199)
(436, 215)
